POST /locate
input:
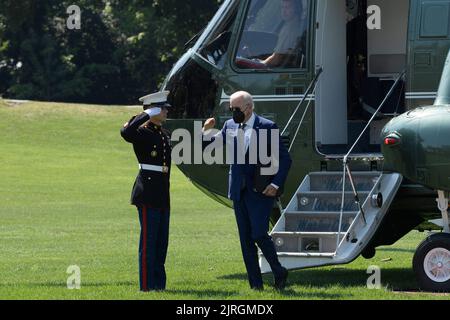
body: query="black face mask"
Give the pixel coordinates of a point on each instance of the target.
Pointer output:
(238, 116)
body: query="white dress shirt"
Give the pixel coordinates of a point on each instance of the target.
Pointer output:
(249, 125)
(248, 131)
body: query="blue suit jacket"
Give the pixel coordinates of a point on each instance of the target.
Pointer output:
(238, 172)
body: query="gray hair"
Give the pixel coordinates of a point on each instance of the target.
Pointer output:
(245, 96)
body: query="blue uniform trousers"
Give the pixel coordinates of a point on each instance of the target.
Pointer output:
(153, 245)
(252, 216)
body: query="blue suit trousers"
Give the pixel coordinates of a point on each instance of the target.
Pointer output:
(252, 212)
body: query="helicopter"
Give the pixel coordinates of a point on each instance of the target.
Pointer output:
(346, 96)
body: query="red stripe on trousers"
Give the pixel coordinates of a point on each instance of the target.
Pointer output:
(144, 248)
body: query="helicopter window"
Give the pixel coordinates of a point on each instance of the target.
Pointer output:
(274, 35)
(216, 47)
(435, 20)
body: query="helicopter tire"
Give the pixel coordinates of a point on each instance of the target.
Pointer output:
(369, 253)
(431, 263)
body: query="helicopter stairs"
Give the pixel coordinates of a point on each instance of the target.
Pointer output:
(322, 226)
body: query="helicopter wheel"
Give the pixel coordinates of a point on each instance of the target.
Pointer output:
(369, 253)
(431, 263)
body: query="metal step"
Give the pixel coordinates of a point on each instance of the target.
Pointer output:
(319, 213)
(307, 233)
(305, 242)
(298, 221)
(304, 255)
(325, 181)
(290, 233)
(326, 201)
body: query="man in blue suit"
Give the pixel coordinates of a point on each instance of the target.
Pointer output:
(253, 208)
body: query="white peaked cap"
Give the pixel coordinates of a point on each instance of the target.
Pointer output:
(158, 97)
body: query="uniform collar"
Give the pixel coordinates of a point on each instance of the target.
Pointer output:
(154, 126)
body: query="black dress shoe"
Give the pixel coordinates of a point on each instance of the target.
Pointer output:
(280, 281)
(258, 288)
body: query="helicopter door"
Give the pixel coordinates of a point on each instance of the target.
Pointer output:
(359, 68)
(386, 58)
(429, 47)
(331, 92)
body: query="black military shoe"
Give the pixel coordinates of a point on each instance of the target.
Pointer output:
(280, 281)
(258, 288)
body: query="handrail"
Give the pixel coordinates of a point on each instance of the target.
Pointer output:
(352, 225)
(355, 193)
(300, 123)
(374, 115)
(346, 169)
(313, 82)
(338, 238)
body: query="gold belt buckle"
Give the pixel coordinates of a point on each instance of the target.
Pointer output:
(165, 169)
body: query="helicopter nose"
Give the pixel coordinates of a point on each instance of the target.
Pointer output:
(416, 145)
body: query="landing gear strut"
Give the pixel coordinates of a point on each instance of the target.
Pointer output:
(431, 262)
(443, 207)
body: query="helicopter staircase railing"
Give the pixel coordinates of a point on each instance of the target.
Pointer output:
(305, 235)
(347, 170)
(333, 215)
(311, 89)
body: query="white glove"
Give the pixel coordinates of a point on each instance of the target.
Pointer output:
(153, 112)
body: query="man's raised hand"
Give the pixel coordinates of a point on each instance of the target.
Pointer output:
(209, 124)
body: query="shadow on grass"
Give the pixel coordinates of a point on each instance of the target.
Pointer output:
(204, 294)
(64, 284)
(399, 279)
(302, 284)
(392, 278)
(220, 294)
(396, 250)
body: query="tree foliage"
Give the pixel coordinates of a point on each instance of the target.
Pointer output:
(123, 50)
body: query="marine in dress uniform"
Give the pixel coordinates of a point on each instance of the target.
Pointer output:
(150, 192)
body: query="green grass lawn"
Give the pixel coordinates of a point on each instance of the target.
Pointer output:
(65, 180)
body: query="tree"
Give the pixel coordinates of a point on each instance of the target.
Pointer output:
(123, 50)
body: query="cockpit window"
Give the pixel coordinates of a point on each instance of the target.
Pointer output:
(274, 35)
(216, 47)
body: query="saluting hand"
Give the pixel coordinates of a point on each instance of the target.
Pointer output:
(209, 124)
